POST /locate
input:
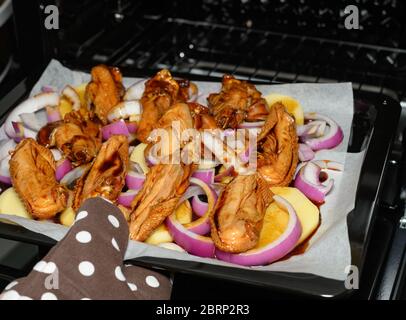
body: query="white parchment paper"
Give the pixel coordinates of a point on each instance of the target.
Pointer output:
(329, 250)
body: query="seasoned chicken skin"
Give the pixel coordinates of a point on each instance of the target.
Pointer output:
(77, 137)
(158, 198)
(32, 170)
(166, 182)
(238, 101)
(278, 147)
(106, 176)
(161, 92)
(236, 221)
(104, 91)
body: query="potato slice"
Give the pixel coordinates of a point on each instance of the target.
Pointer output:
(184, 213)
(159, 235)
(292, 106)
(64, 107)
(275, 222)
(67, 217)
(306, 211)
(10, 203)
(81, 90)
(138, 156)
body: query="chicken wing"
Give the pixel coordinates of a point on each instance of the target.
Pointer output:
(158, 198)
(78, 137)
(236, 221)
(238, 101)
(106, 176)
(104, 91)
(278, 147)
(32, 170)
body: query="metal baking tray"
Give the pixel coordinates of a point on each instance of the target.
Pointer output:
(374, 126)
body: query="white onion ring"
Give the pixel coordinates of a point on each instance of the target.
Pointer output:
(135, 91)
(32, 104)
(330, 140)
(134, 180)
(126, 109)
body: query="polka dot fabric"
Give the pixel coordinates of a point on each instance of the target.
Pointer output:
(88, 263)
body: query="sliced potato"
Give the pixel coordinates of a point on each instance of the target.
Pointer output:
(184, 213)
(292, 106)
(160, 235)
(10, 203)
(81, 89)
(64, 107)
(306, 211)
(138, 156)
(274, 224)
(67, 217)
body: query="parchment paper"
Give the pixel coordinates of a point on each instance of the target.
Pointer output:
(329, 250)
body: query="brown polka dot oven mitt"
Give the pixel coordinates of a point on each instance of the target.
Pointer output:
(88, 263)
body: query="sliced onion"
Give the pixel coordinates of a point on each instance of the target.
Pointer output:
(57, 154)
(6, 145)
(328, 164)
(135, 91)
(5, 170)
(134, 180)
(125, 110)
(305, 152)
(70, 94)
(191, 192)
(126, 198)
(193, 243)
(53, 114)
(115, 128)
(75, 174)
(32, 104)
(222, 152)
(206, 175)
(208, 164)
(63, 166)
(273, 251)
(48, 89)
(33, 121)
(132, 127)
(201, 226)
(312, 129)
(226, 173)
(135, 166)
(186, 235)
(308, 181)
(330, 140)
(248, 125)
(199, 207)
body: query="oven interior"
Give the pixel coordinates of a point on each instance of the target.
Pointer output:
(264, 41)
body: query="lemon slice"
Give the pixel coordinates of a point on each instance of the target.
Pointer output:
(291, 105)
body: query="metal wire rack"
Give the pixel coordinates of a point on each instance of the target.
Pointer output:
(210, 46)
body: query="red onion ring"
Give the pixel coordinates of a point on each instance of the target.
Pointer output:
(330, 140)
(307, 180)
(134, 180)
(115, 128)
(53, 114)
(248, 125)
(63, 166)
(273, 251)
(206, 175)
(126, 198)
(305, 152)
(5, 170)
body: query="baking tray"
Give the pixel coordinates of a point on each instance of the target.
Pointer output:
(374, 126)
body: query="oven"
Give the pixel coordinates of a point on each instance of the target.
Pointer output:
(263, 41)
